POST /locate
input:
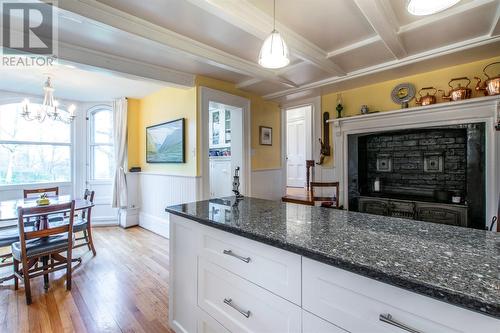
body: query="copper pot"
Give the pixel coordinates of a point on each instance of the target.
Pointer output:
(427, 99)
(458, 93)
(492, 85)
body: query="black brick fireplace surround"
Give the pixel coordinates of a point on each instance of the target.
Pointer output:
(411, 164)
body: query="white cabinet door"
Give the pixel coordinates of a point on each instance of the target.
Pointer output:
(313, 324)
(184, 241)
(220, 177)
(241, 306)
(207, 324)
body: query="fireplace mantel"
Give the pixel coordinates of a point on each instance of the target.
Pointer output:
(485, 109)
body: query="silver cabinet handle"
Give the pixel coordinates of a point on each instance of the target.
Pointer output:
(387, 318)
(230, 303)
(232, 254)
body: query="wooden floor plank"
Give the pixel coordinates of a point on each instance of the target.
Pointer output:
(123, 289)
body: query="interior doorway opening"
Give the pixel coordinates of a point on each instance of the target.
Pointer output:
(298, 148)
(225, 147)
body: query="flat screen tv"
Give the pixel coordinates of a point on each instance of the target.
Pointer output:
(165, 142)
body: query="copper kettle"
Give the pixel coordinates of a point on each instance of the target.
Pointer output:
(492, 85)
(458, 93)
(427, 99)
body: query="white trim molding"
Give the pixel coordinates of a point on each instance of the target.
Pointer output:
(485, 109)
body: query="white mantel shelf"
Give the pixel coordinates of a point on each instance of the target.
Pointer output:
(419, 109)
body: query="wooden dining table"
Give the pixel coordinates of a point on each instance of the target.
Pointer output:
(8, 213)
(8, 208)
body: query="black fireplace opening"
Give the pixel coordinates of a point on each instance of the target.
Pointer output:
(434, 174)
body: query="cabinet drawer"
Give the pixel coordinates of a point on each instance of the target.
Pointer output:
(241, 306)
(273, 269)
(356, 303)
(313, 324)
(207, 324)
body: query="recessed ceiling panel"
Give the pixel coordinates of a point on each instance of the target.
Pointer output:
(265, 87)
(452, 29)
(193, 22)
(362, 57)
(330, 24)
(304, 73)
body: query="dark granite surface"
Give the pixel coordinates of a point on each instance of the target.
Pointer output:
(453, 264)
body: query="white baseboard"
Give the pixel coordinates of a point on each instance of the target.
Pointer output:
(155, 224)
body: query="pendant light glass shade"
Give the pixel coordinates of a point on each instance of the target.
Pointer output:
(428, 7)
(274, 52)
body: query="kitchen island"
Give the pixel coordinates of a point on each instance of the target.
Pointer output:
(263, 266)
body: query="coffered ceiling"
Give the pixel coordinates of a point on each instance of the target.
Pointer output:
(334, 44)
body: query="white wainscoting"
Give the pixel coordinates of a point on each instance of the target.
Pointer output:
(267, 184)
(156, 191)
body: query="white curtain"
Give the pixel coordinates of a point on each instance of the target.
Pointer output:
(120, 139)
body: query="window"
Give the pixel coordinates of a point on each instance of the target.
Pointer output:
(33, 152)
(101, 144)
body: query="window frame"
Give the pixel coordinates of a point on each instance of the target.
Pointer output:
(8, 187)
(91, 143)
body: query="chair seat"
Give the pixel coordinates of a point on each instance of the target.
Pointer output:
(39, 246)
(79, 224)
(9, 236)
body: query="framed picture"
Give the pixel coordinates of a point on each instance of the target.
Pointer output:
(265, 136)
(165, 142)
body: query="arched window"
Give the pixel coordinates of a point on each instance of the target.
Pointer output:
(33, 152)
(101, 143)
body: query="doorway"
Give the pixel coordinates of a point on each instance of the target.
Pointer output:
(225, 143)
(298, 148)
(225, 147)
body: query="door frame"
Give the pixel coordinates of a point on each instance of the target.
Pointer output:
(315, 115)
(206, 95)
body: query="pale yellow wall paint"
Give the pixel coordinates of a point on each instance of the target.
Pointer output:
(378, 96)
(262, 113)
(162, 106)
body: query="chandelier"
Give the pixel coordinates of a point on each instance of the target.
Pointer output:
(49, 107)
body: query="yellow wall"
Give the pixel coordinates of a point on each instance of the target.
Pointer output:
(378, 96)
(262, 113)
(164, 105)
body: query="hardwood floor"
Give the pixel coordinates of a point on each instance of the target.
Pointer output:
(122, 289)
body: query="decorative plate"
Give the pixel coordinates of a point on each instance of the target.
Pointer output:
(403, 93)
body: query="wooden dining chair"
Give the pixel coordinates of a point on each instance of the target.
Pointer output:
(83, 224)
(331, 201)
(37, 191)
(45, 244)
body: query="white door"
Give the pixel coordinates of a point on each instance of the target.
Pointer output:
(296, 152)
(100, 164)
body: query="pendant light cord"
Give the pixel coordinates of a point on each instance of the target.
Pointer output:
(274, 15)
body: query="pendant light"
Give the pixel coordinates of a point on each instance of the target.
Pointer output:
(428, 7)
(274, 52)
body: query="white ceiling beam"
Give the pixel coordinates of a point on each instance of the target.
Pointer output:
(495, 27)
(382, 19)
(247, 17)
(393, 64)
(247, 83)
(455, 10)
(184, 46)
(354, 46)
(127, 66)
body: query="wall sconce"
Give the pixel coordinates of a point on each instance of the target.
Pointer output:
(339, 107)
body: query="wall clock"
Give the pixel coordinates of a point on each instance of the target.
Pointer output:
(402, 94)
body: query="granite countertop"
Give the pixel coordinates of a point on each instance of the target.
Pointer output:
(453, 264)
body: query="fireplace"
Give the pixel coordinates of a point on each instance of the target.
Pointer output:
(435, 174)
